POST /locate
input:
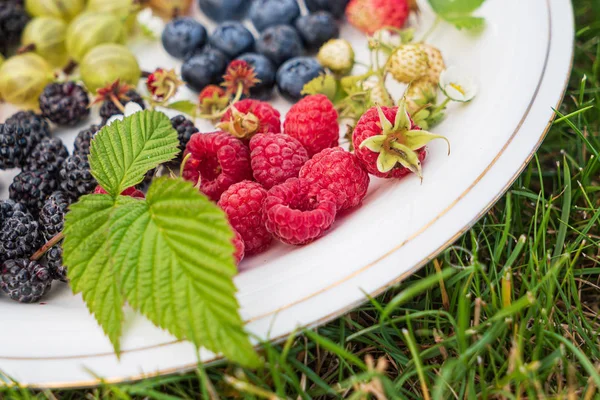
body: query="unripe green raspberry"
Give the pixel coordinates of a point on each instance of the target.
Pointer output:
(408, 63)
(337, 55)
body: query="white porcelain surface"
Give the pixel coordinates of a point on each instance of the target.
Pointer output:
(521, 63)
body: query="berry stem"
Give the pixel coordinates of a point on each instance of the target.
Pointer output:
(26, 49)
(117, 102)
(183, 162)
(51, 243)
(68, 70)
(442, 105)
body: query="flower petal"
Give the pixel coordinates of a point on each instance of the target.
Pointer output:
(408, 158)
(402, 118)
(386, 162)
(417, 139)
(374, 143)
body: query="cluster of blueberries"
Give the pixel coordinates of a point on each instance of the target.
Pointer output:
(277, 55)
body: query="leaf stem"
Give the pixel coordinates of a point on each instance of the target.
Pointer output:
(431, 29)
(51, 243)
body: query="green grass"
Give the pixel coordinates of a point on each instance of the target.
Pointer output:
(509, 311)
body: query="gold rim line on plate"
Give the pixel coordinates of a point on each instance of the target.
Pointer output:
(94, 382)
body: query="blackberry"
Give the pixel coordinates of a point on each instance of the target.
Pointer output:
(52, 214)
(13, 19)
(76, 178)
(18, 137)
(8, 208)
(48, 155)
(32, 188)
(25, 281)
(108, 108)
(54, 262)
(83, 141)
(19, 236)
(64, 103)
(185, 129)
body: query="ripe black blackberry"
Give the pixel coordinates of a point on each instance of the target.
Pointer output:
(185, 129)
(83, 141)
(8, 208)
(109, 109)
(76, 178)
(13, 19)
(64, 103)
(49, 155)
(52, 214)
(25, 281)
(18, 137)
(32, 188)
(19, 236)
(54, 262)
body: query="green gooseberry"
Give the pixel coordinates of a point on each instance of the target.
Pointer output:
(107, 63)
(62, 9)
(23, 78)
(46, 36)
(92, 29)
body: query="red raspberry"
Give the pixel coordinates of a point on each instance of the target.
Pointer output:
(314, 122)
(249, 117)
(243, 204)
(339, 172)
(218, 160)
(296, 213)
(240, 248)
(276, 158)
(131, 192)
(370, 125)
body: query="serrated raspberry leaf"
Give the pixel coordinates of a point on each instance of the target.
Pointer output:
(174, 256)
(122, 153)
(86, 254)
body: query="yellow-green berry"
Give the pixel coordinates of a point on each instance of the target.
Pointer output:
(408, 63)
(107, 63)
(337, 55)
(23, 78)
(92, 29)
(46, 36)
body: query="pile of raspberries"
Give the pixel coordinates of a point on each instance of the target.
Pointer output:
(288, 184)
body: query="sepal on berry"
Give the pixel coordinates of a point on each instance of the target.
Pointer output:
(398, 143)
(239, 76)
(240, 125)
(163, 84)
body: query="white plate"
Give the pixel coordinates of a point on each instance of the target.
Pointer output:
(522, 63)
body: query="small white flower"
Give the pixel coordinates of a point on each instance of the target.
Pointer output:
(457, 86)
(130, 109)
(151, 25)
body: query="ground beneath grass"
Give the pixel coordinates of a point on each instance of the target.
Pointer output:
(515, 316)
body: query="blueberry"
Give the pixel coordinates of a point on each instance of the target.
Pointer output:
(316, 29)
(279, 44)
(183, 36)
(222, 10)
(265, 71)
(266, 13)
(294, 74)
(335, 7)
(204, 69)
(232, 38)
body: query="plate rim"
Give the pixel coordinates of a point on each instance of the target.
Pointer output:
(342, 311)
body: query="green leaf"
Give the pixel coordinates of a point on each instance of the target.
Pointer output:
(86, 253)
(174, 256)
(467, 22)
(184, 106)
(123, 152)
(449, 7)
